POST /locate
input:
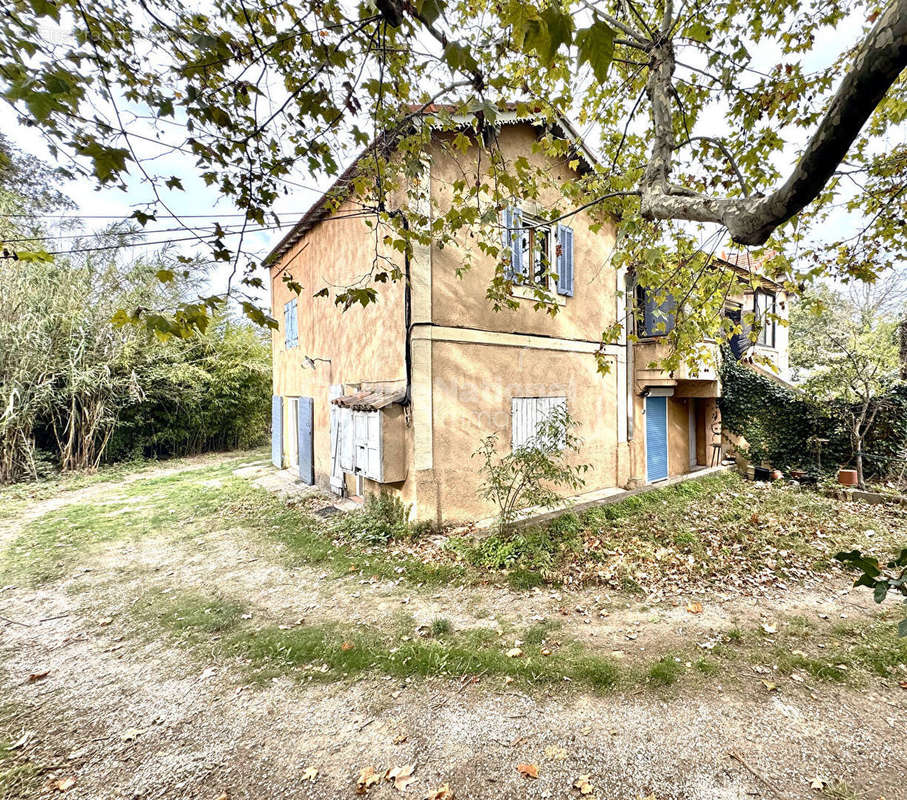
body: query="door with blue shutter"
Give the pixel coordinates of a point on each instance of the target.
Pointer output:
(565, 260)
(277, 431)
(656, 438)
(305, 437)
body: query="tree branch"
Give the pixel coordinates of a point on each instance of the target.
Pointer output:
(880, 60)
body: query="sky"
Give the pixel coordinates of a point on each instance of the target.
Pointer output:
(202, 205)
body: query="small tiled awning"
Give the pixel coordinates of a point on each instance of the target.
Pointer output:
(369, 399)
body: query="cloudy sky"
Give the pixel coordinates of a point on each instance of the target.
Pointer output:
(199, 206)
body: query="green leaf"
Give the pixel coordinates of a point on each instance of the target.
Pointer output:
(430, 9)
(164, 275)
(699, 31)
(458, 57)
(902, 627)
(881, 591)
(595, 45)
(174, 183)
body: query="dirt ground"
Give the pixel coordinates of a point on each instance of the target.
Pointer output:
(120, 714)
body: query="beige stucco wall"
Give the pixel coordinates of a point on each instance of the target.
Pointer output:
(472, 387)
(461, 301)
(362, 345)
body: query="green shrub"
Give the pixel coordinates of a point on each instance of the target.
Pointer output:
(384, 517)
(531, 475)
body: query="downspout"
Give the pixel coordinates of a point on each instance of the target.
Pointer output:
(407, 314)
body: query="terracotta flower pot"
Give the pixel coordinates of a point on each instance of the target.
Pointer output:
(847, 477)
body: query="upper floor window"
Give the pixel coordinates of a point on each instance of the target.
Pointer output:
(290, 325)
(656, 311)
(764, 311)
(532, 248)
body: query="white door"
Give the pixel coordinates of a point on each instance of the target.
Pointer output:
(292, 443)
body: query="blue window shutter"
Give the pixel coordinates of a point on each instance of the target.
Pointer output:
(277, 431)
(565, 260)
(516, 242)
(305, 439)
(506, 241)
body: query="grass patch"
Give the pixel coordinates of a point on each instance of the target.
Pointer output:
(328, 651)
(666, 671)
(18, 775)
(383, 518)
(185, 504)
(530, 556)
(848, 653)
(182, 504)
(440, 627)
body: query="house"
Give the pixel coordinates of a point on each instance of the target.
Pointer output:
(398, 394)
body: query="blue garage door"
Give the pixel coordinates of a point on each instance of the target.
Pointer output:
(656, 438)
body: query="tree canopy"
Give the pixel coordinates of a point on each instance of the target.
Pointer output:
(715, 120)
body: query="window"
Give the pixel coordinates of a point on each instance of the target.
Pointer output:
(532, 248)
(764, 311)
(527, 412)
(290, 325)
(655, 318)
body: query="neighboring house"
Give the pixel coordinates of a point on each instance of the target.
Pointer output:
(770, 304)
(364, 401)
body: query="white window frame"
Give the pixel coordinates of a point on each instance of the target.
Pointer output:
(767, 324)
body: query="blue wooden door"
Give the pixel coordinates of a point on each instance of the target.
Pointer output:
(277, 431)
(656, 438)
(305, 433)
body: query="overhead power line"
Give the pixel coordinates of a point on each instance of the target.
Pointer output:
(121, 245)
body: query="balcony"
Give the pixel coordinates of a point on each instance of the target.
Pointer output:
(700, 380)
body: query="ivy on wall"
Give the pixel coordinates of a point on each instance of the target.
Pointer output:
(782, 425)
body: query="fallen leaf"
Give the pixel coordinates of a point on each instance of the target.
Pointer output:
(132, 734)
(817, 783)
(368, 777)
(309, 773)
(903, 684)
(553, 751)
(528, 770)
(443, 792)
(545, 651)
(401, 776)
(695, 608)
(105, 622)
(401, 737)
(772, 687)
(582, 783)
(514, 652)
(62, 784)
(21, 741)
(222, 796)
(769, 628)
(347, 646)
(38, 676)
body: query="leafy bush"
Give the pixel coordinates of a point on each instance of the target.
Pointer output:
(781, 424)
(384, 517)
(531, 474)
(876, 578)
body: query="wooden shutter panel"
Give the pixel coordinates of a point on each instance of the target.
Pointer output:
(516, 243)
(507, 241)
(565, 260)
(276, 431)
(305, 419)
